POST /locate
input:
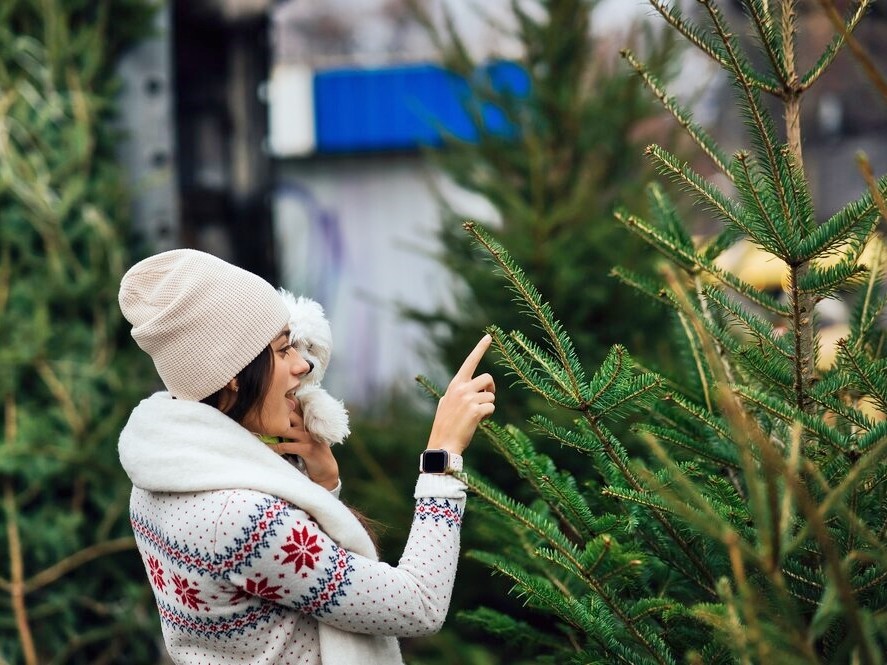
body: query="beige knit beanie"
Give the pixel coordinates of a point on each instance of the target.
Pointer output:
(201, 320)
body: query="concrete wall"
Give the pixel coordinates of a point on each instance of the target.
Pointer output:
(357, 234)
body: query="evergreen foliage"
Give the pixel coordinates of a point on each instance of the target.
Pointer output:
(753, 531)
(553, 180)
(72, 584)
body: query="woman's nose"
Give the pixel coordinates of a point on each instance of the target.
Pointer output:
(302, 367)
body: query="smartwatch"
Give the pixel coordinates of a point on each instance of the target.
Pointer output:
(439, 462)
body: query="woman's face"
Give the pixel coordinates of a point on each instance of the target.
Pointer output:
(272, 413)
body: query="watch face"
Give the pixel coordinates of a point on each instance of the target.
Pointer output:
(434, 461)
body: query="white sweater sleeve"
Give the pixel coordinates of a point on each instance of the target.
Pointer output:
(294, 563)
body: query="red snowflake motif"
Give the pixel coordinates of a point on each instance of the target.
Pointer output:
(186, 593)
(301, 549)
(260, 589)
(156, 573)
(238, 595)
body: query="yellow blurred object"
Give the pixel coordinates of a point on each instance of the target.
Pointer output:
(867, 406)
(753, 265)
(828, 340)
(767, 272)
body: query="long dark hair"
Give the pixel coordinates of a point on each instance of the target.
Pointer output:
(253, 381)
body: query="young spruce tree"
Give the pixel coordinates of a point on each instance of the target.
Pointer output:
(754, 531)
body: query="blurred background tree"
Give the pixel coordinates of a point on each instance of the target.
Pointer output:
(572, 148)
(72, 584)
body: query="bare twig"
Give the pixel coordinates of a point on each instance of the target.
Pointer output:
(16, 560)
(862, 57)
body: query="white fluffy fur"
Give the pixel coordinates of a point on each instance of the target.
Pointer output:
(325, 417)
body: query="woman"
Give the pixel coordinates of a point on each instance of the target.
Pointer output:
(250, 560)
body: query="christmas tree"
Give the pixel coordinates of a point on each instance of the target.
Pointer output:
(72, 586)
(744, 520)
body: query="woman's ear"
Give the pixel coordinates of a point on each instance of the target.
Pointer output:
(228, 396)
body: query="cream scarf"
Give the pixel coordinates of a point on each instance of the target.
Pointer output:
(173, 445)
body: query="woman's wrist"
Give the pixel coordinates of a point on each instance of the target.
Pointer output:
(324, 472)
(329, 483)
(450, 447)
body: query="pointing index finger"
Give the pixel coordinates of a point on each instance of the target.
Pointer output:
(466, 372)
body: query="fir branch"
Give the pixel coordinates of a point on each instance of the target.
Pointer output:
(698, 359)
(870, 375)
(789, 414)
(702, 189)
(834, 566)
(763, 132)
(875, 541)
(637, 394)
(645, 499)
(691, 443)
(771, 38)
(614, 386)
(613, 450)
(566, 436)
(557, 489)
(759, 327)
(824, 392)
(823, 282)
(528, 374)
(520, 353)
(683, 498)
(834, 47)
(509, 630)
(705, 416)
(794, 181)
(806, 578)
(521, 514)
(663, 211)
(853, 223)
(770, 230)
(561, 344)
(770, 370)
(641, 283)
(540, 525)
(656, 240)
(762, 465)
(543, 595)
(695, 36)
(873, 436)
(721, 242)
(683, 117)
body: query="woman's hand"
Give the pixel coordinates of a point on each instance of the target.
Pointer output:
(468, 400)
(320, 463)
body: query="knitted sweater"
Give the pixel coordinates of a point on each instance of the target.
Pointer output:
(251, 562)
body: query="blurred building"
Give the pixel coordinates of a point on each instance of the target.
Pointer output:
(287, 136)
